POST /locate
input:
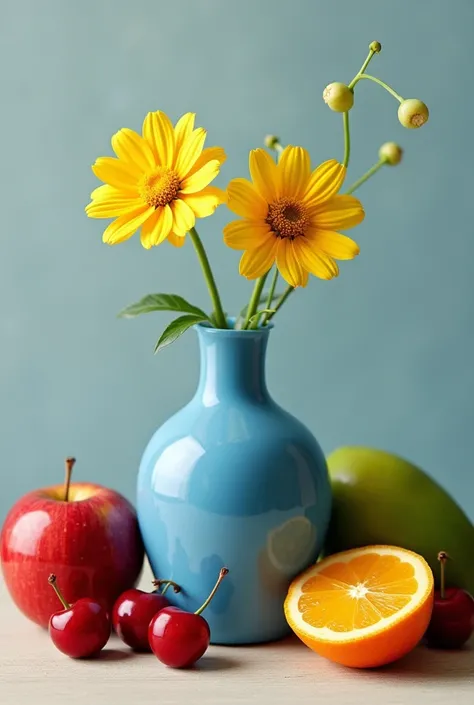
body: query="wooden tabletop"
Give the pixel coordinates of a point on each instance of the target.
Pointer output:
(32, 672)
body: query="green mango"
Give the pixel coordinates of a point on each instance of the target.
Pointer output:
(379, 498)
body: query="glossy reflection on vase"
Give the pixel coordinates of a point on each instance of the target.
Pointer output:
(233, 480)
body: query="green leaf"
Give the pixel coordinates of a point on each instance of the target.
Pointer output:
(262, 300)
(176, 328)
(161, 302)
(257, 315)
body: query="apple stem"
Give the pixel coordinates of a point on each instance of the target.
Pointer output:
(52, 582)
(222, 574)
(70, 462)
(167, 583)
(443, 558)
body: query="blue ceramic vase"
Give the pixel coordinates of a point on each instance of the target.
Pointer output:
(233, 480)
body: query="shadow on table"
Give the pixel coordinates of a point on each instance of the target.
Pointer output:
(210, 662)
(113, 655)
(432, 664)
(422, 664)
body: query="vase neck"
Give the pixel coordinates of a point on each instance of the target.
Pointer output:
(232, 365)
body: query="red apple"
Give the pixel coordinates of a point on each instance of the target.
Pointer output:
(86, 534)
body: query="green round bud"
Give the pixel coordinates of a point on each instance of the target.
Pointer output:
(391, 153)
(413, 113)
(375, 46)
(338, 97)
(271, 141)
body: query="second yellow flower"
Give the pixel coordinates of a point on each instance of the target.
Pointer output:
(290, 216)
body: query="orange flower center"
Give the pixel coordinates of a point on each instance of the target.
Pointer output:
(287, 218)
(159, 187)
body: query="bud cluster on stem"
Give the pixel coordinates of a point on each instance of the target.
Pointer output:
(412, 113)
(339, 97)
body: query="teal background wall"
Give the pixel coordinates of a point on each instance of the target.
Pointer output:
(382, 356)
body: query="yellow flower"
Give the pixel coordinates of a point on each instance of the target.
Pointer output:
(159, 181)
(290, 216)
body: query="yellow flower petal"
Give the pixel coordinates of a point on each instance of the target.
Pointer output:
(124, 227)
(246, 234)
(112, 207)
(147, 229)
(288, 264)
(263, 171)
(183, 217)
(208, 154)
(295, 169)
(115, 173)
(222, 193)
(176, 240)
(339, 212)
(324, 182)
(257, 262)
(334, 244)
(157, 228)
(159, 133)
(164, 225)
(244, 200)
(132, 149)
(190, 152)
(104, 192)
(183, 129)
(199, 180)
(314, 261)
(205, 202)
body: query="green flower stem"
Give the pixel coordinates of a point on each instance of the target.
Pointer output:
(253, 305)
(347, 139)
(362, 68)
(219, 315)
(289, 290)
(373, 170)
(380, 83)
(279, 151)
(271, 291)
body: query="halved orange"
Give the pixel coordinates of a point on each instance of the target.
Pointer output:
(363, 608)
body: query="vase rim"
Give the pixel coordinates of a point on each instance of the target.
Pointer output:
(254, 332)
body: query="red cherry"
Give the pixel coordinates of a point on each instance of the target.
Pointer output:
(79, 630)
(133, 612)
(452, 620)
(178, 638)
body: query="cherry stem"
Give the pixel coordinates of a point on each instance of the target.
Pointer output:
(443, 558)
(167, 583)
(70, 462)
(52, 582)
(221, 577)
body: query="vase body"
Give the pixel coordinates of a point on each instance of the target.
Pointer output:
(233, 480)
